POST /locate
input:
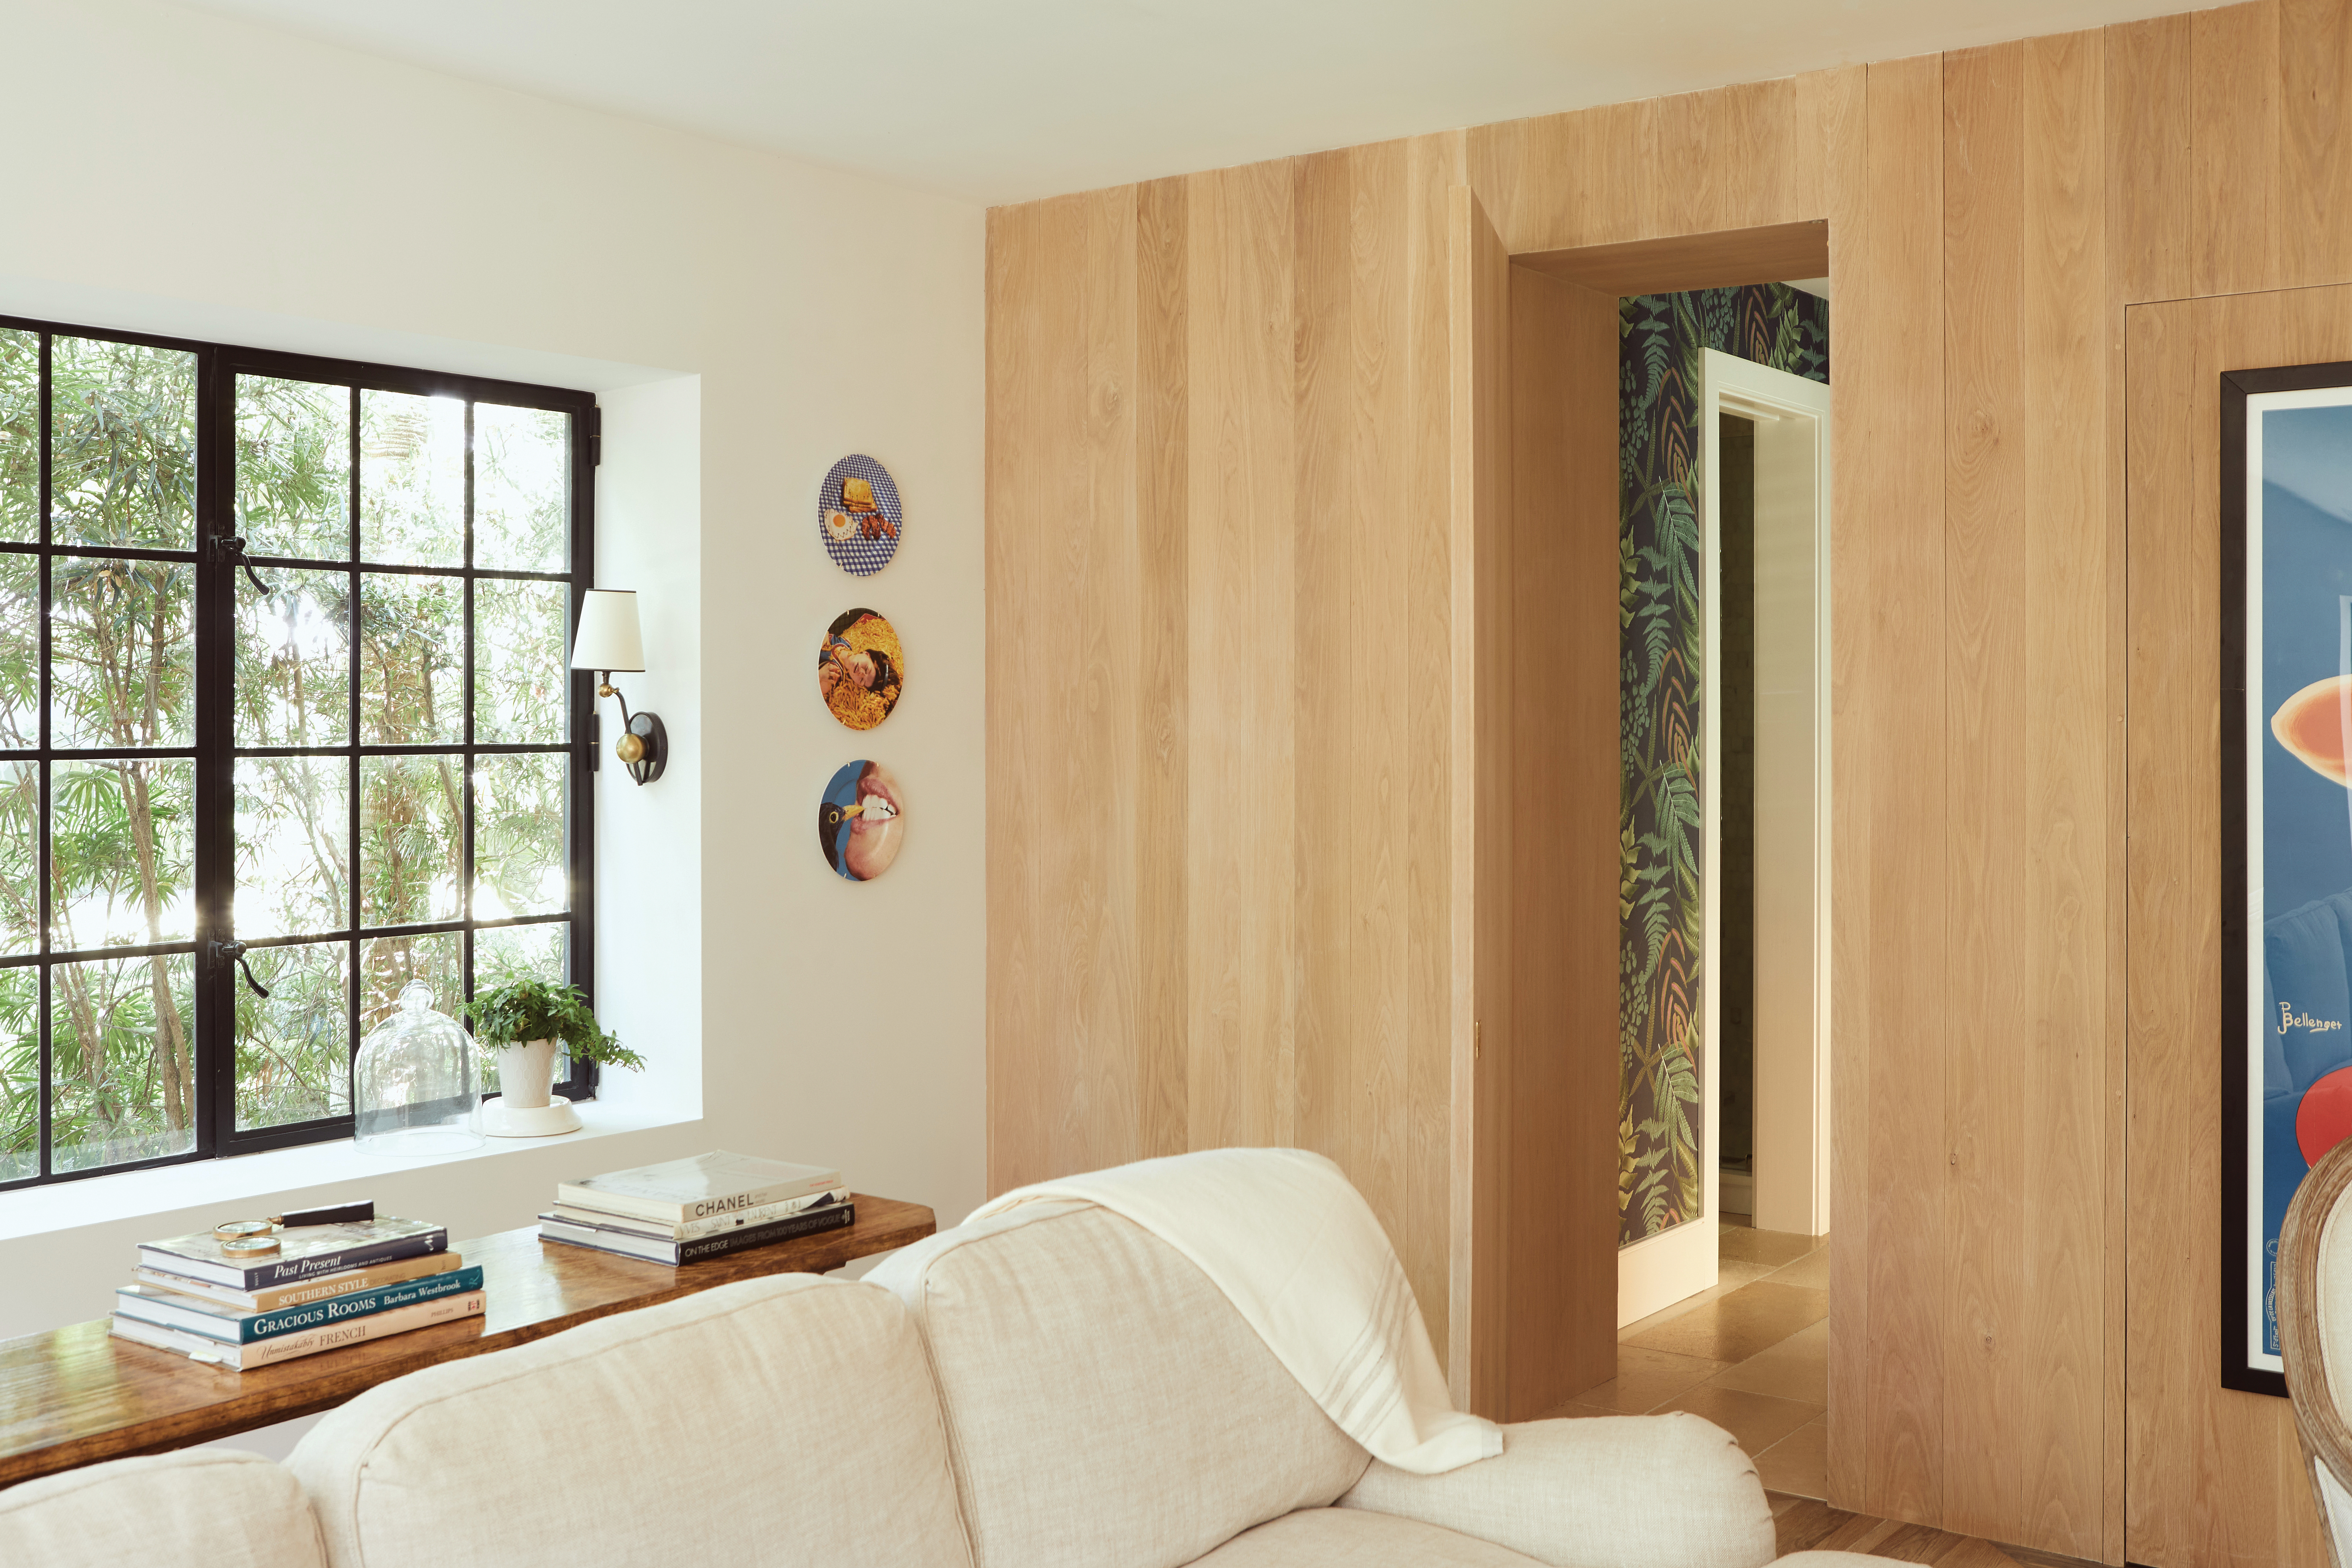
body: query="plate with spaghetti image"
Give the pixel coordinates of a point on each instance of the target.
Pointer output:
(860, 668)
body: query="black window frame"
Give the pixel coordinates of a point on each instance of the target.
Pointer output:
(219, 571)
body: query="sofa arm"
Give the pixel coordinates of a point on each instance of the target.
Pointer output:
(1609, 1491)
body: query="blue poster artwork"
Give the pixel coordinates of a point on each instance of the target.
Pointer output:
(858, 516)
(2299, 817)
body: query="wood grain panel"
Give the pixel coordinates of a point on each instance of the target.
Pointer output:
(1241, 552)
(1561, 1210)
(2234, 241)
(2149, 161)
(1434, 167)
(1714, 258)
(1893, 375)
(2072, 706)
(1853, 638)
(1161, 426)
(2314, 181)
(1479, 296)
(2214, 1474)
(1062, 534)
(1560, 181)
(1986, 829)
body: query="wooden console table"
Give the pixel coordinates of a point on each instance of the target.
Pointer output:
(78, 1394)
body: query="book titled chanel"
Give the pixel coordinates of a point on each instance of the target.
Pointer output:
(677, 1192)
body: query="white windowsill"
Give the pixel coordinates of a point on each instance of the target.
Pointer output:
(62, 1205)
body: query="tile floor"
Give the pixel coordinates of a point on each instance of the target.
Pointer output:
(1751, 1355)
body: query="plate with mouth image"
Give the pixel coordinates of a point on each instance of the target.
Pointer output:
(862, 821)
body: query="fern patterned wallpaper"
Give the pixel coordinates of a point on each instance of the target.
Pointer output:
(1660, 632)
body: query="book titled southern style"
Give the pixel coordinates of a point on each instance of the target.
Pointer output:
(696, 1229)
(271, 1297)
(678, 1190)
(653, 1249)
(303, 1253)
(217, 1320)
(309, 1342)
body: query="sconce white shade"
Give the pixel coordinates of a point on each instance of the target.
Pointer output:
(608, 637)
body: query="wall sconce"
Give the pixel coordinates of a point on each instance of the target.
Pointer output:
(608, 643)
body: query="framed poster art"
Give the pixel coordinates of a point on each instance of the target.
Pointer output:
(2286, 825)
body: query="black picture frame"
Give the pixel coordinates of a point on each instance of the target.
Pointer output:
(2238, 1151)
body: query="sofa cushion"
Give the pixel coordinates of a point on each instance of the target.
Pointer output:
(1349, 1538)
(200, 1508)
(788, 1419)
(1104, 1402)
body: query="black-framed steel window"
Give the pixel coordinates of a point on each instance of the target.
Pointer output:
(283, 663)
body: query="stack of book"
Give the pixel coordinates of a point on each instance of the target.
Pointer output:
(683, 1210)
(327, 1285)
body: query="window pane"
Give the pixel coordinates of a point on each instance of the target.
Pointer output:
(20, 891)
(124, 1083)
(388, 963)
(293, 821)
(122, 445)
(518, 836)
(20, 1073)
(123, 652)
(412, 480)
(409, 822)
(123, 838)
(294, 467)
(20, 651)
(293, 1048)
(20, 443)
(519, 662)
(412, 660)
(293, 663)
(522, 490)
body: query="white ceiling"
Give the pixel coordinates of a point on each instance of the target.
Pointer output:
(997, 100)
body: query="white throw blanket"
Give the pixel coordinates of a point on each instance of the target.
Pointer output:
(1297, 1251)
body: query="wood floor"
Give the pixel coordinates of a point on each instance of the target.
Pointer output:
(1808, 1524)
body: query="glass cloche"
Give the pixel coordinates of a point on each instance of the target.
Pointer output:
(416, 1086)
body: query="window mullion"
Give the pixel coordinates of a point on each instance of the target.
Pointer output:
(216, 857)
(41, 799)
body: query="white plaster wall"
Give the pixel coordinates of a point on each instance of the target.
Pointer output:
(746, 320)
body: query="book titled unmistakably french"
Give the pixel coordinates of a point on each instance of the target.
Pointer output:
(304, 1252)
(677, 1191)
(217, 1320)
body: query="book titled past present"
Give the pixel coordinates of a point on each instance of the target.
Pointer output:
(304, 1252)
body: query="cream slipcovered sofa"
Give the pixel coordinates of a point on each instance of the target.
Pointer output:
(1048, 1389)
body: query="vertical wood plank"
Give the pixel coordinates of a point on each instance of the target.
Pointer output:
(1896, 376)
(1161, 429)
(2149, 173)
(1433, 166)
(1985, 826)
(1694, 184)
(2070, 703)
(1241, 552)
(1063, 914)
(2315, 149)
(1844, 122)
(1562, 1217)
(1329, 536)
(2234, 66)
(1479, 322)
(1587, 177)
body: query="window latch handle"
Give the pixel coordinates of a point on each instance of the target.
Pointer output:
(220, 952)
(230, 547)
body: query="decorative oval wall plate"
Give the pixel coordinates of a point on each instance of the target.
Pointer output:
(860, 668)
(860, 822)
(857, 515)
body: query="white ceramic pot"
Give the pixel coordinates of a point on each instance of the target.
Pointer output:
(527, 1073)
(525, 1106)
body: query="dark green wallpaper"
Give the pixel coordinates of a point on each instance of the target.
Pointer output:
(1661, 628)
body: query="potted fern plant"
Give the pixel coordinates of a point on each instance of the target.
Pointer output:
(522, 1021)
